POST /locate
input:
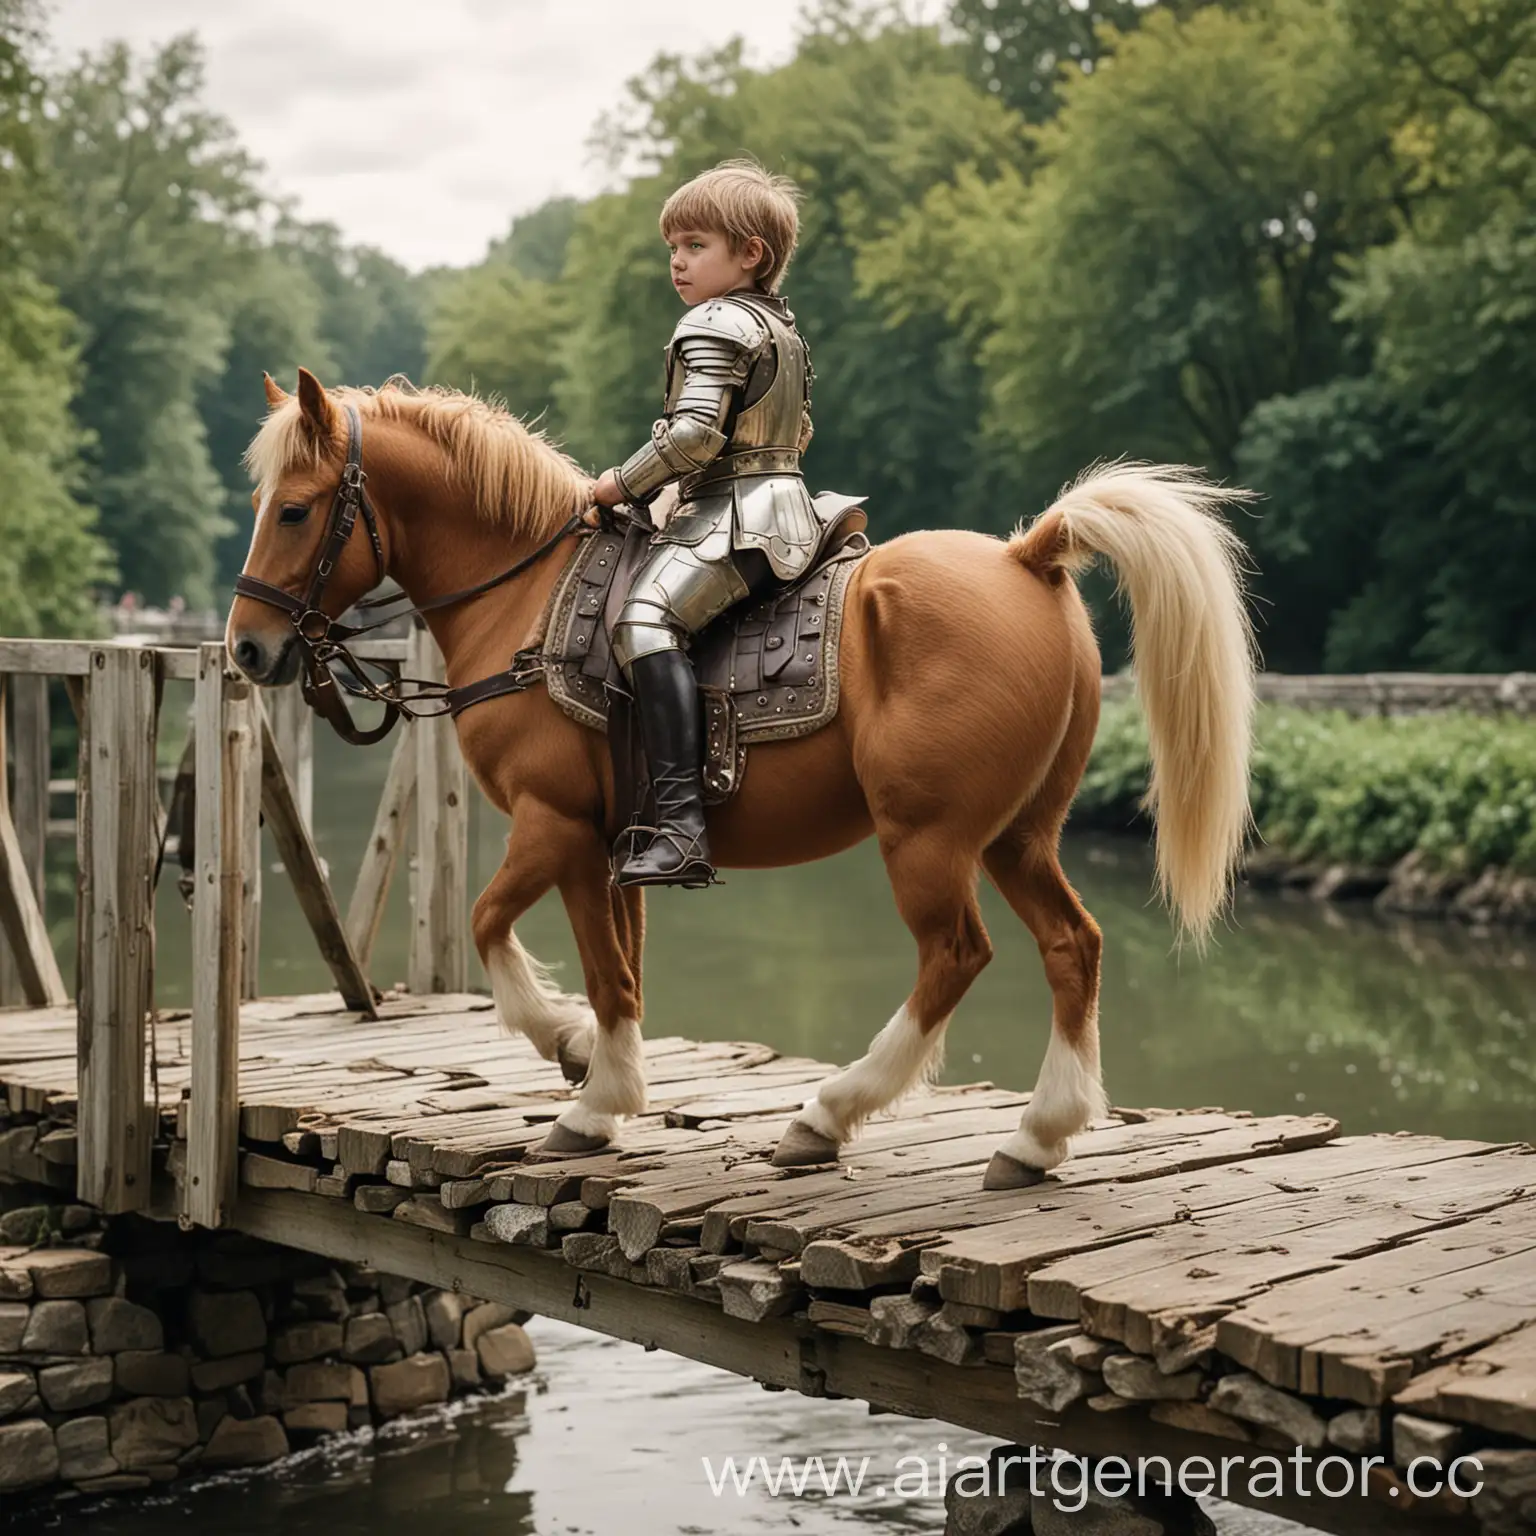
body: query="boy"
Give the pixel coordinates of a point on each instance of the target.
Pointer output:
(737, 418)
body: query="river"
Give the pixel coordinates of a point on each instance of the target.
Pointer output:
(1388, 1025)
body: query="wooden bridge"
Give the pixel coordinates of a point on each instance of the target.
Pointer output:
(1191, 1284)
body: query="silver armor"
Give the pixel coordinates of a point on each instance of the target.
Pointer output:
(737, 416)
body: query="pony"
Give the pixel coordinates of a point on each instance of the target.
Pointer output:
(969, 703)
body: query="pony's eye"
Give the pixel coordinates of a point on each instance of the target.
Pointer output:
(295, 512)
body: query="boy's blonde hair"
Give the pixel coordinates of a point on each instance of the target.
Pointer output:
(740, 199)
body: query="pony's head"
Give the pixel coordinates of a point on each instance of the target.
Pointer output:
(297, 460)
(432, 447)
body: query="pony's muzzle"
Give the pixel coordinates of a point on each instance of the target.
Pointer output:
(267, 664)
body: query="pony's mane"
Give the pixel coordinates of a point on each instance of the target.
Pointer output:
(515, 474)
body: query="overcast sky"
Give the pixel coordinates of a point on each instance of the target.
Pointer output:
(422, 126)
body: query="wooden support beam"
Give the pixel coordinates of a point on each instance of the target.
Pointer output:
(29, 762)
(30, 972)
(366, 910)
(250, 871)
(301, 861)
(119, 806)
(293, 729)
(439, 921)
(225, 733)
(34, 967)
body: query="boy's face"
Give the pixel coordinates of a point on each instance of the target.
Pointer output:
(704, 267)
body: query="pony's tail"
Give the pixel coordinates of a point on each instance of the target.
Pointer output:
(1180, 566)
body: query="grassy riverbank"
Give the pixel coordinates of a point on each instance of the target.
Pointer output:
(1455, 795)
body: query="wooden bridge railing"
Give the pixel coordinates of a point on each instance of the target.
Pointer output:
(251, 755)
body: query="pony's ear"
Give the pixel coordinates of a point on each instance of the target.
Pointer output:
(276, 394)
(316, 404)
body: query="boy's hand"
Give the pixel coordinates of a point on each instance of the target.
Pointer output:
(606, 492)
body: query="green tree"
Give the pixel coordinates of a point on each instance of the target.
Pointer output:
(536, 244)
(157, 197)
(274, 326)
(371, 317)
(1451, 308)
(498, 328)
(1019, 49)
(498, 333)
(1171, 263)
(867, 118)
(50, 555)
(1401, 501)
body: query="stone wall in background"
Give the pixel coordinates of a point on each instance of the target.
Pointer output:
(132, 1353)
(1387, 693)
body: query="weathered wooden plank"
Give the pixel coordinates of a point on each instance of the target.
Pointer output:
(440, 919)
(1163, 1292)
(225, 734)
(639, 1218)
(366, 909)
(1401, 1311)
(424, 1211)
(286, 821)
(989, 1264)
(1494, 1388)
(47, 658)
(929, 1207)
(258, 1171)
(117, 821)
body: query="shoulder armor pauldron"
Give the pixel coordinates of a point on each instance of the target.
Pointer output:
(721, 320)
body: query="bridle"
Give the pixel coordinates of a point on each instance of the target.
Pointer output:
(323, 640)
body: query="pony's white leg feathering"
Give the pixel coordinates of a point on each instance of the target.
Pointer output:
(1068, 1095)
(560, 1025)
(902, 1057)
(615, 1085)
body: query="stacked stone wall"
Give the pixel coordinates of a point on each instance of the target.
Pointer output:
(133, 1354)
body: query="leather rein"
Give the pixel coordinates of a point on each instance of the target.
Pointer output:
(324, 640)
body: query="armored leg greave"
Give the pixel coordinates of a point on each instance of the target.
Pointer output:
(667, 701)
(675, 593)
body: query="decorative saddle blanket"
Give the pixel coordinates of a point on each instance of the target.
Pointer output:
(767, 671)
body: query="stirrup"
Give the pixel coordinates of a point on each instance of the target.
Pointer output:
(694, 873)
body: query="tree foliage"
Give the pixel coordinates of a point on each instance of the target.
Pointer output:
(152, 188)
(1289, 240)
(1021, 50)
(50, 555)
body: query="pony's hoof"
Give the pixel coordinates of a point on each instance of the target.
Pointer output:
(563, 1142)
(800, 1147)
(575, 1057)
(1005, 1172)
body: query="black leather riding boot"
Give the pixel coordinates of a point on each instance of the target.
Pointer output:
(667, 701)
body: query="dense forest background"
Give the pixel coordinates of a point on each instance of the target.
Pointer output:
(1291, 240)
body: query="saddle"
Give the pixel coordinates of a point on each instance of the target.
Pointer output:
(767, 670)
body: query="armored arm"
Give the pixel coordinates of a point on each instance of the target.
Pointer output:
(714, 347)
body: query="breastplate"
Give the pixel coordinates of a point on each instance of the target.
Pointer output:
(774, 399)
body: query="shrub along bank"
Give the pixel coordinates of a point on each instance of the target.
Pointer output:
(1432, 814)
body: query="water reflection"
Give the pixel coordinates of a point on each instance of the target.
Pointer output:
(1388, 1025)
(449, 1470)
(604, 1438)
